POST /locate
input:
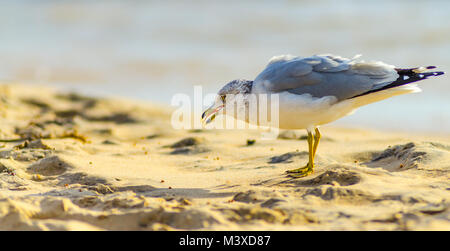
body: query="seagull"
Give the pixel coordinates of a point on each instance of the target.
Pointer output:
(320, 89)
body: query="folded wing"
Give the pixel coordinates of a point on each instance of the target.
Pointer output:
(325, 75)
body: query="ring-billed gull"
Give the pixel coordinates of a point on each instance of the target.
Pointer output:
(320, 89)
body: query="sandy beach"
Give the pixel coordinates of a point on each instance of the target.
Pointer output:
(72, 162)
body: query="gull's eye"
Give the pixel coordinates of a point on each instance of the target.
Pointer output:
(222, 97)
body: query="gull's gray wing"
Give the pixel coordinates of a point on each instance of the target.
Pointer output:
(324, 75)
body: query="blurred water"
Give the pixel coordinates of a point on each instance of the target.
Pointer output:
(153, 49)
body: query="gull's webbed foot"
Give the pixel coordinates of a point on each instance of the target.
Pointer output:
(301, 172)
(313, 142)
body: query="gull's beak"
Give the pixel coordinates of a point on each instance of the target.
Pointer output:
(210, 114)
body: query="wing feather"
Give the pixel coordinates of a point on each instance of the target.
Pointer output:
(324, 75)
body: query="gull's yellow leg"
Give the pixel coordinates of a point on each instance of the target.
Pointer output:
(309, 168)
(317, 137)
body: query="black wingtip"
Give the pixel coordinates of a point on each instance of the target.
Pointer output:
(438, 73)
(407, 76)
(424, 75)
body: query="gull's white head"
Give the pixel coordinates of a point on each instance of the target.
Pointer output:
(227, 95)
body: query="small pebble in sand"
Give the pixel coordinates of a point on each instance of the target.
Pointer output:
(334, 183)
(162, 181)
(170, 187)
(102, 217)
(185, 202)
